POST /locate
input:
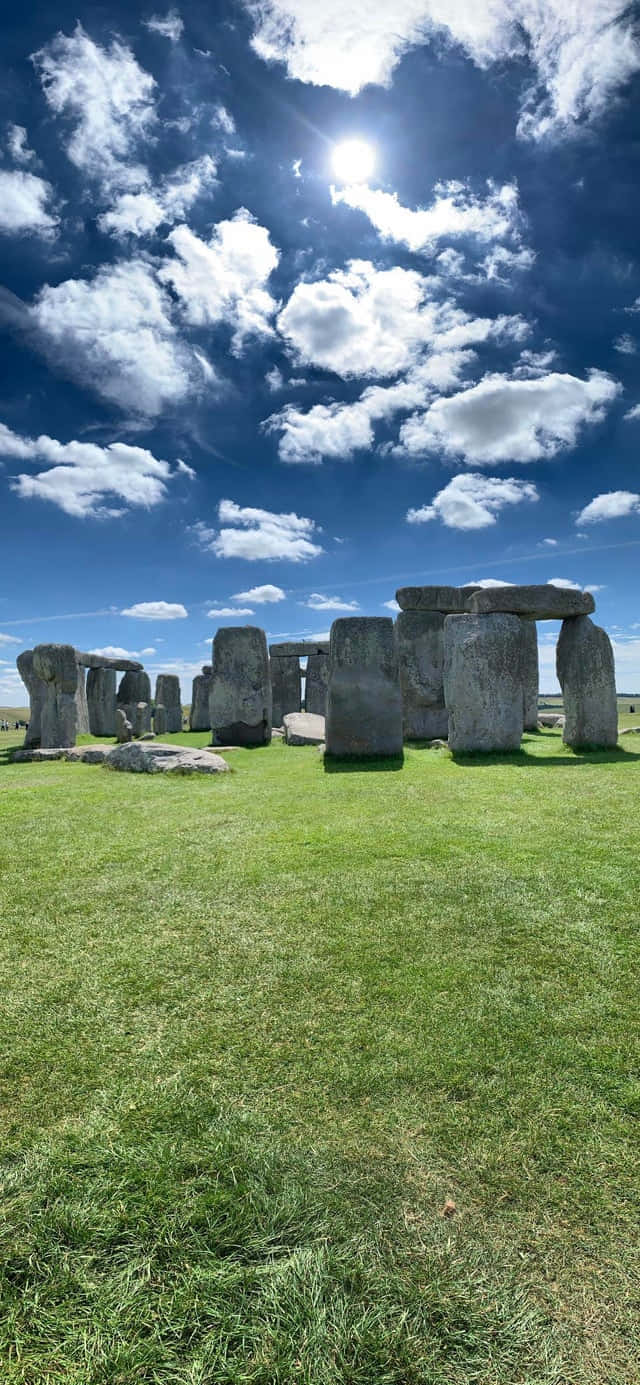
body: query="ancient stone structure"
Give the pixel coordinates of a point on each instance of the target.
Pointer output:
(95, 709)
(81, 701)
(448, 600)
(364, 702)
(586, 674)
(316, 683)
(529, 635)
(101, 701)
(421, 654)
(156, 757)
(37, 690)
(286, 677)
(57, 666)
(199, 719)
(142, 719)
(483, 682)
(169, 696)
(240, 698)
(304, 728)
(286, 686)
(160, 719)
(135, 687)
(124, 729)
(532, 603)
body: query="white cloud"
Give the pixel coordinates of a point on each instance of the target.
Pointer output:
(109, 100)
(455, 211)
(171, 26)
(581, 54)
(472, 501)
(25, 204)
(274, 379)
(224, 279)
(392, 605)
(18, 145)
(261, 595)
(625, 344)
(488, 582)
(114, 334)
(634, 412)
(115, 651)
(610, 505)
(318, 602)
(156, 610)
(141, 213)
(551, 543)
(507, 420)
(565, 583)
(231, 611)
(258, 534)
(81, 476)
(223, 120)
(10, 639)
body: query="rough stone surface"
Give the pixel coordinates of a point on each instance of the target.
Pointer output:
(286, 686)
(37, 690)
(421, 654)
(58, 752)
(161, 757)
(103, 661)
(303, 728)
(169, 696)
(89, 754)
(316, 684)
(550, 719)
(483, 682)
(364, 702)
(199, 718)
(160, 719)
(586, 674)
(532, 603)
(81, 703)
(148, 736)
(529, 635)
(240, 703)
(56, 665)
(142, 719)
(124, 729)
(448, 600)
(298, 648)
(133, 688)
(630, 731)
(101, 701)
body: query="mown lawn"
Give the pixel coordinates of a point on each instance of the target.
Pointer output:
(258, 1030)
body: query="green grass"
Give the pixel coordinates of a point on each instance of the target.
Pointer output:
(258, 1029)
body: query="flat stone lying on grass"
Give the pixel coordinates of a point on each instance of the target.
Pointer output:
(450, 601)
(630, 731)
(159, 757)
(550, 719)
(89, 754)
(35, 754)
(544, 602)
(303, 728)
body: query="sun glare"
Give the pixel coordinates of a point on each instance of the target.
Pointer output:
(353, 161)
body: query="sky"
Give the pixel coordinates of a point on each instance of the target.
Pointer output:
(303, 302)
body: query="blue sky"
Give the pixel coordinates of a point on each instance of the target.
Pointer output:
(303, 302)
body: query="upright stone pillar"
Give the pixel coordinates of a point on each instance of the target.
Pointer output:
(240, 702)
(586, 674)
(483, 682)
(364, 702)
(101, 701)
(530, 674)
(168, 695)
(316, 684)
(37, 690)
(81, 701)
(56, 665)
(286, 686)
(199, 718)
(134, 687)
(421, 653)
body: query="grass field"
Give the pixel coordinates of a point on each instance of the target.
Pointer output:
(259, 1030)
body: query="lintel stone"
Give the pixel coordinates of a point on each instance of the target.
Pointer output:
(544, 602)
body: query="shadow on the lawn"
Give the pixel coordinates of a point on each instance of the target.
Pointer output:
(359, 764)
(517, 758)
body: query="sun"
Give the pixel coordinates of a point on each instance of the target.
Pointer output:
(353, 160)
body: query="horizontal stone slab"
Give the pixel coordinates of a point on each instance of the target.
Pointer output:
(531, 603)
(298, 649)
(102, 661)
(450, 601)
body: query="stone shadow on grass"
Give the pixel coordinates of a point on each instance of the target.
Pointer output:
(517, 758)
(361, 764)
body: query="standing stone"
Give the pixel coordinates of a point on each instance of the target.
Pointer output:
(240, 702)
(586, 674)
(124, 729)
(160, 719)
(421, 654)
(81, 701)
(364, 701)
(56, 665)
(529, 632)
(168, 694)
(199, 719)
(101, 701)
(37, 690)
(483, 682)
(316, 684)
(133, 688)
(142, 719)
(286, 686)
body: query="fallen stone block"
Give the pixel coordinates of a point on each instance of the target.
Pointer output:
(161, 757)
(303, 728)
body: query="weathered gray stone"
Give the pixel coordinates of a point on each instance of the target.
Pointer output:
(168, 694)
(88, 754)
(421, 654)
(56, 665)
(550, 719)
(630, 731)
(448, 600)
(135, 687)
(81, 703)
(103, 661)
(148, 736)
(529, 635)
(199, 719)
(160, 719)
(316, 684)
(161, 757)
(532, 603)
(303, 728)
(142, 719)
(37, 690)
(298, 648)
(240, 703)
(35, 754)
(124, 729)
(364, 702)
(286, 686)
(586, 674)
(101, 700)
(483, 682)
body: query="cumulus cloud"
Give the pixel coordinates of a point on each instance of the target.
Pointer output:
(634, 412)
(610, 505)
(261, 595)
(565, 583)
(25, 204)
(115, 651)
(455, 211)
(230, 611)
(510, 420)
(625, 344)
(171, 26)
(18, 145)
(580, 54)
(488, 582)
(141, 213)
(551, 543)
(392, 605)
(82, 477)
(258, 534)
(318, 602)
(156, 610)
(472, 501)
(223, 279)
(108, 100)
(223, 120)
